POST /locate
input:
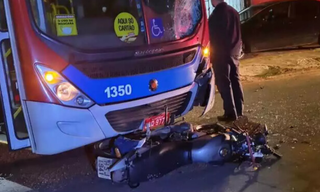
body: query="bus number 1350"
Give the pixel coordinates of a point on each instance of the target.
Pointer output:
(118, 91)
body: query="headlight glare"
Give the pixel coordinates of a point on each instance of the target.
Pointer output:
(66, 92)
(206, 52)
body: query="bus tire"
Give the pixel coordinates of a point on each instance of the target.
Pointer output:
(133, 185)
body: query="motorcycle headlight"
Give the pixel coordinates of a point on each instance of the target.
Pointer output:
(62, 89)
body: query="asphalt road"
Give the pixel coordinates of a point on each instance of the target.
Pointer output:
(289, 106)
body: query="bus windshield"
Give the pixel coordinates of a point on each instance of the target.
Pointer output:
(101, 24)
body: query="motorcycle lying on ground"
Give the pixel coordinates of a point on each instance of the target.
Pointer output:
(147, 155)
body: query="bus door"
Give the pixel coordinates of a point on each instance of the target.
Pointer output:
(13, 129)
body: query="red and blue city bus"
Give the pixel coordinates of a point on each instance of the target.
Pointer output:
(75, 72)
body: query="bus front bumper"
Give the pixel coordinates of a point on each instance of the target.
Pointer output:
(57, 128)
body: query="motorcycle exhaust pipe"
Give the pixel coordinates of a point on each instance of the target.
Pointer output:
(166, 157)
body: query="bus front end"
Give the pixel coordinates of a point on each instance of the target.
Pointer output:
(94, 70)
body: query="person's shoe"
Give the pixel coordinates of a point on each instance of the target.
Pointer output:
(242, 118)
(227, 118)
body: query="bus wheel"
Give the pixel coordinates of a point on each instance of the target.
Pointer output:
(133, 185)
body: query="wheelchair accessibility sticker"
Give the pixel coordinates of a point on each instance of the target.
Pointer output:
(156, 28)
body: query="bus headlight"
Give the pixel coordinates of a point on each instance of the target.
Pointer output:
(63, 90)
(66, 92)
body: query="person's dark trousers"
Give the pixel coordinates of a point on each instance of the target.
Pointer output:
(228, 82)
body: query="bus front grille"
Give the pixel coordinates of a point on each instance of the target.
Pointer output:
(135, 66)
(130, 119)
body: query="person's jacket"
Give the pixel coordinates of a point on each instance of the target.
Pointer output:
(225, 32)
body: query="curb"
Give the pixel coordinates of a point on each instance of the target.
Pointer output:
(9, 186)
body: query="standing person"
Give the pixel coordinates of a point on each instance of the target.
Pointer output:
(225, 39)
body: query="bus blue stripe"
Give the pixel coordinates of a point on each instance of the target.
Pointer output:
(168, 80)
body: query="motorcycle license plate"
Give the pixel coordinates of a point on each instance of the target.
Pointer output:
(103, 165)
(156, 121)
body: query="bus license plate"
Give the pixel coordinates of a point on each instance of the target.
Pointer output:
(156, 121)
(103, 165)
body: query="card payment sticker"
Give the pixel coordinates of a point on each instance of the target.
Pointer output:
(126, 27)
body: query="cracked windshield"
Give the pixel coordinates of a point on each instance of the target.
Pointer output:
(160, 95)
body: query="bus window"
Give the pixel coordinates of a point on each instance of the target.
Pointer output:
(177, 18)
(3, 21)
(94, 24)
(3, 26)
(35, 11)
(100, 24)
